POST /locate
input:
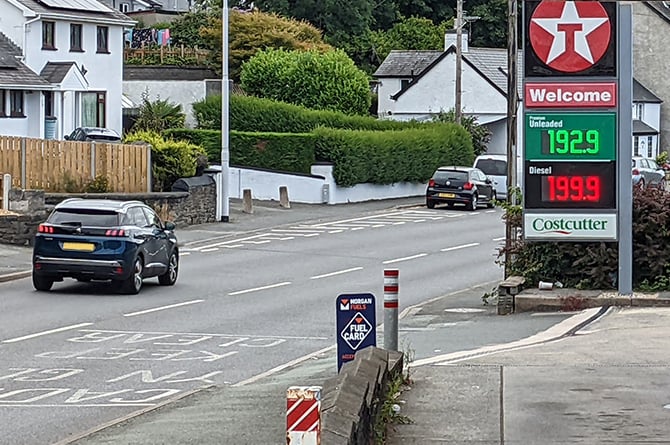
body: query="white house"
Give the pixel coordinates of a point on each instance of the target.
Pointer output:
(71, 56)
(419, 84)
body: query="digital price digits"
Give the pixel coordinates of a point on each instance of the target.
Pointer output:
(573, 141)
(572, 188)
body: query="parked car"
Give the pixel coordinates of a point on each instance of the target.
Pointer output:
(460, 185)
(99, 239)
(96, 134)
(646, 173)
(495, 167)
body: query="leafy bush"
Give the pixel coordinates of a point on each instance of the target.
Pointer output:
(158, 115)
(248, 113)
(171, 159)
(324, 81)
(276, 151)
(594, 265)
(386, 157)
(481, 136)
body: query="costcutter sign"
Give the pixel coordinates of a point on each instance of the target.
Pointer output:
(570, 95)
(573, 226)
(356, 325)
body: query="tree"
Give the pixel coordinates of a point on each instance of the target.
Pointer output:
(158, 115)
(410, 34)
(323, 81)
(481, 136)
(490, 30)
(250, 32)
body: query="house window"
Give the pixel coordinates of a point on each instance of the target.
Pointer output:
(93, 109)
(75, 37)
(48, 103)
(16, 103)
(3, 101)
(103, 34)
(639, 111)
(650, 147)
(48, 35)
(404, 83)
(124, 7)
(636, 146)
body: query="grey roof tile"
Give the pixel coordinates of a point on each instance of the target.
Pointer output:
(642, 94)
(13, 73)
(406, 63)
(42, 8)
(640, 128)
(55, 72)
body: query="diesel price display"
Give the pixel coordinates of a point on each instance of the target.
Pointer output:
(571, 136)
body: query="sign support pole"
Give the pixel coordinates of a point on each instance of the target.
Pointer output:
(512, 108)
(391, 309)
(625, 56)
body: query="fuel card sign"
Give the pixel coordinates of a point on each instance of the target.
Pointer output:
(356, 325)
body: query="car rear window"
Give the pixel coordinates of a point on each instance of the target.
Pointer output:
(102, 137)
(84, 217)
(443, 175)
(492, 167)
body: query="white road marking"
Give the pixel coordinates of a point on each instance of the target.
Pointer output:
(500, 238)
(419, 220)
(311, 235)
(464, 310)
(98, 405)
(455, 215)
(50, 331)
(211, 249)
(339, 272)
(184, 253)
(297, 231)
(336, 231)
(398, 223)
(377, 225)
(397, 260)
(463, 246)
(204, 334)
(357, 228)
(270, 286)
(264, 241)
(162, 308)
(490, 211)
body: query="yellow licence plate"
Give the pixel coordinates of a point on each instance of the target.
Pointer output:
(446, 195)
(79, 247)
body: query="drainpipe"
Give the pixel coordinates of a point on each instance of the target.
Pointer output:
(25, 27)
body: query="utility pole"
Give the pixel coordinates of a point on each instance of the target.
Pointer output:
(459, 56)
(223, 192)
(510, 232)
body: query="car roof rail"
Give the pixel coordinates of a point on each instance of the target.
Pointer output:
(68, 200)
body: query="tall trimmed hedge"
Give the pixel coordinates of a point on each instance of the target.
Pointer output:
(276, 151)
(385, 157)
(249, 113)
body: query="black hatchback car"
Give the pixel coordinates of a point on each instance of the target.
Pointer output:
(460, 185)
(99, 239)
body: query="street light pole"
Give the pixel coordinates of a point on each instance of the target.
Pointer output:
(223, 192)
(459, 57)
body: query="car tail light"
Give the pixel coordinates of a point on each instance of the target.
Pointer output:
(431, 182)
(115, 232)
(468, 186)
(636, 172)
(43, 228)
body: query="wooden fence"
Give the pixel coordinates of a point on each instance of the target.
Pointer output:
(165, 52)
(59, 166)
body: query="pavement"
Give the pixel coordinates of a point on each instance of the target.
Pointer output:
(597, 375)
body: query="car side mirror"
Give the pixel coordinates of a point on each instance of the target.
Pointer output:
(169, 226)
(67, 138)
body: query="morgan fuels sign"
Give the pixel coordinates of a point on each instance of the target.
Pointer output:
(552, 226)
(570, 95)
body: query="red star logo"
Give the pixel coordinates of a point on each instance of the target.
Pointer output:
(570, 36)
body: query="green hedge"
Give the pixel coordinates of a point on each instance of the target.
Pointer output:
(254, 114)
(386, 157)
(276, 151)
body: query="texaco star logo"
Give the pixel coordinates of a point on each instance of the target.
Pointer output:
(570, 36)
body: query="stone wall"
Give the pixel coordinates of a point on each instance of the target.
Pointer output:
(29, 208)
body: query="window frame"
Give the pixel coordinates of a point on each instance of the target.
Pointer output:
(3, 103)
(102, 44)
(47, 26)
(13, 94)
(76, 47)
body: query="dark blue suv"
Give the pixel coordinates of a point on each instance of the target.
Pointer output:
(99, 239)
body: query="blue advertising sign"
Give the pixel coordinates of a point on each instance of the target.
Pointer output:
(356, 325)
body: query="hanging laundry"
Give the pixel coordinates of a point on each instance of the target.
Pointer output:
(143, 37)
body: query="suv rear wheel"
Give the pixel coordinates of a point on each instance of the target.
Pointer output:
(169, 278)
(42, 283)
(133, 284)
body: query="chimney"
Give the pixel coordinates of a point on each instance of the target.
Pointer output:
(450, 39)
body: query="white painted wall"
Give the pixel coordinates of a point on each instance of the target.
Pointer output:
(183, 92)
(105, 71)
(11, 22)
(651, 115)
(23, 126)
(264, 185)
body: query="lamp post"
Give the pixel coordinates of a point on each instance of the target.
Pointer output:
(460, 22)
(223, 192)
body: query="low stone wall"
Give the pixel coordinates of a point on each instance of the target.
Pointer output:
(351, 402)
(29, 208)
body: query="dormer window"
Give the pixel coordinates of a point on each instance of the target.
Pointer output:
(48, 35)
(404, 83)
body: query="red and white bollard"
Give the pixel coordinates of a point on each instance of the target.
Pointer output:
(303, 415)
(391, 309)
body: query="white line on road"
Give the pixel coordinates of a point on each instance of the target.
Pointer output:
(270, 286)
(184, 253)
(490, 211)
(336, 231)
(211, 249)
(204, 334)
(500, 238)
(147, 311)
(50, 331)
(339, 272)
(65, 405)
(227, 243)
(397, 260)
(464, 246)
